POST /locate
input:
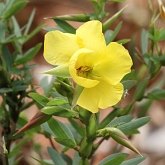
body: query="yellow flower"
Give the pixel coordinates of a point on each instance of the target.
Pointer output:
(92, 64)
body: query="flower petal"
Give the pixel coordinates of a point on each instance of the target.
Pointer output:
(59, 47)
(101, 96)
(91, 35)
(82, 57)
(115, 64)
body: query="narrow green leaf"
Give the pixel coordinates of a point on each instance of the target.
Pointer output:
(123, 41)
(79, 128)
(108, 34)
(29, 55)
(134, 161)
(66, 142)
(145, 107)
(65, 26)
(2, 31)
(85, 148)
(72, 17)
(120, 120)
(61, 131)
(17, 30)
(14, 8)
(56, 157)
(114, 159)
(59, 111)
(59, 71)
(7, 58)
(77, 91)
(140, 90)
(157, 94)
(112, 19)
(57, 101)
(29, 23)
(113, 34)
(108, 118)
(144, 41)
(42, 100)
(128, 84)
(26, 38)
(130, 127)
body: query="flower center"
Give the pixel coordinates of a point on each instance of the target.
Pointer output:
(84, 71)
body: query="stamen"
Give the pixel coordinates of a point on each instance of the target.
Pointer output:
(83, 71)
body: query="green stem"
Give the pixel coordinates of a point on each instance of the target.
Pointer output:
(84, 161)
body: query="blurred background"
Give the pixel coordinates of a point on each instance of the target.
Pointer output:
(151, 140)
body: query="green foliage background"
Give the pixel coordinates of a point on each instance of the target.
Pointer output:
(84, 131)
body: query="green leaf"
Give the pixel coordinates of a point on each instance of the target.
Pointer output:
(13, 7)
(42, 100)
(128, 84)
(112, 34)
(57, 101)
(2, 31)
(130, 127)
(120, 120)
(29, 23)
(59, 71)
(112, 19)
(59, 111)
(73, 17)
(108, 118)
(65, 26)
(7, 58)
(114, 159)
(144, 107)
(79, 128)
(66, 142)
(61, 131)
(144, 41)
(153, 64)
(17, 30)
(56, 157)
(123, 41)
(134, 161)
(29, 55)
(26, 38)
(157, 94)
(140, 90)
